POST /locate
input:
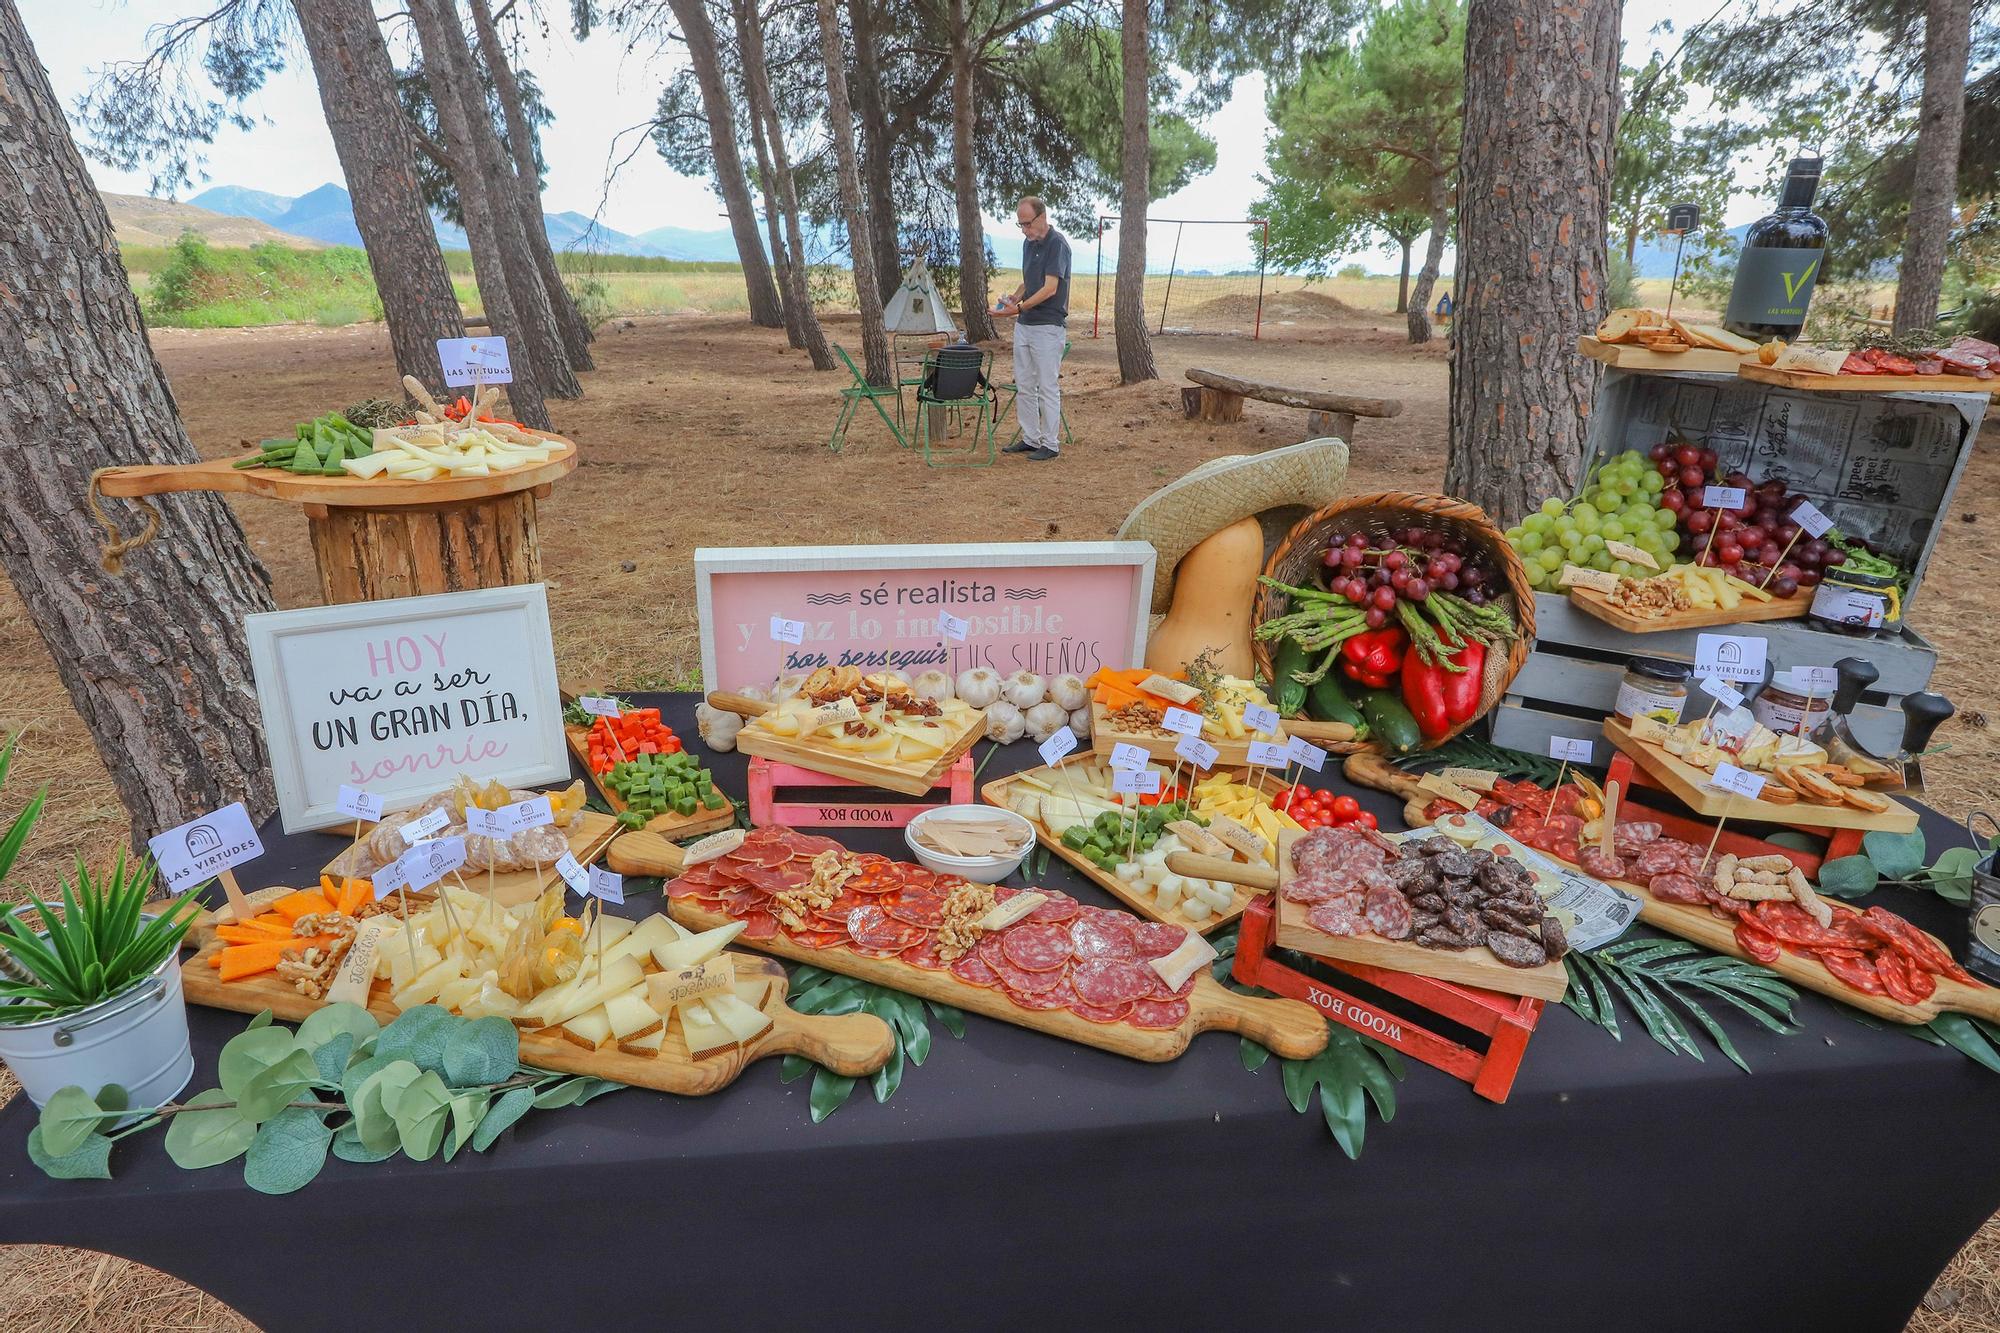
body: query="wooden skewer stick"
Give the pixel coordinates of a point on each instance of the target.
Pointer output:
(1772, 572)
(239, 905)
(409, 936)
(1711, 845)
(1610, 819)
(1560, 770)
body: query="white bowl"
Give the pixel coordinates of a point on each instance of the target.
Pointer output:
(977, 869)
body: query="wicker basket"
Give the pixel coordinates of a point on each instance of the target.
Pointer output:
(1298, 560)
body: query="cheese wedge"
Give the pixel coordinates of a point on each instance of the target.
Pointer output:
(425, 987)
(588, 1030)
(585, 991)
(647, 1044)
(743, 1022)
(630, 1015)
(695, 949)
(640, 942)
(1193, 954)
(703, 1031)
(1003, 915)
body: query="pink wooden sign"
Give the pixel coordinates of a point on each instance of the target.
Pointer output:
(1048, 607)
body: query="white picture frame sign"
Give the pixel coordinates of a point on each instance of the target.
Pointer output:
(402, 696)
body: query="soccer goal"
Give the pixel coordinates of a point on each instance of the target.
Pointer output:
(1203, 275)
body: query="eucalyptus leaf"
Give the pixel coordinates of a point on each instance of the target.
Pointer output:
(359, 1073)
(422, 1112)
(69, 1117)
(558, 1095)
(250, 1053)
(511, 1106)
(1848, 877)
(325, 1023)
(287, 1152)
(330, 1057)
(480, 1052)
(373, 1104)
(262, 1020)
(348, 1147)
(1896, 855)
(114, 1101)
(271, 1090)
(197, 1139)
(467, 1108)
(1951, 875)
(88, 1160)
(593, 1088)
(419, 1035)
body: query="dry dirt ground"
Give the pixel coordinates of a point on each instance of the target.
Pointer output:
(704, 431)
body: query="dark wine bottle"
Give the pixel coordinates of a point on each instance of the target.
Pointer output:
(1780, 262)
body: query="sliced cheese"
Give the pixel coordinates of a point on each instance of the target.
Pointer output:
(1177, 690)
(425, 987)
(1200, 840)
(693, 949)
(589, 989)
(753, 991)
(454, 993)
(743, 1022)
(1002, 915)
(640, 942)
(646, 1044)
(703, 1031)
(589, 1030)
(630, 1015)
(1194, 953)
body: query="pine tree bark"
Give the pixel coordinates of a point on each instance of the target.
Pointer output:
(1419, 309)
(720, 110)
(798, 297)
(877, 143)
(860, 239)
(1934, 188)
(520, 146)
(1403, 283)
(965, 184)
(1533, 196)
(1135, 341)
(371, 135)
(154, 659)
(747, 19)
(533, 311)
(489, 264)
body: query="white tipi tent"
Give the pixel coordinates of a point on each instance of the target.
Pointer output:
(916, 307)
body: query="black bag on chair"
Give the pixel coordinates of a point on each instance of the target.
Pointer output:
(955, 373)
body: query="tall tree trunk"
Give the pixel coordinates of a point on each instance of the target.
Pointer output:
(720, 109)
(489, 264)
(798, 299)
(1419, 312)
(371, 135)
(747, 19)
(1135, 341)
(534, 312)
(1533, 196)
(570, 323)
(154, 659)
(860, 242)
(1934, 190)
(965, 184)
(864, 21)
(1631, 239)
(1403, 282)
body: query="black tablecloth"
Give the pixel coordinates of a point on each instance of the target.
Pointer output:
(1017, 1179)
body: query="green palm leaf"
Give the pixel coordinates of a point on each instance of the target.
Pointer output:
(1662, 979)
(818, 991)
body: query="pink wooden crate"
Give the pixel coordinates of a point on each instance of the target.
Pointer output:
(768, 776)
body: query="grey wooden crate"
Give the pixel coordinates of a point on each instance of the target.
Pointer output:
(1528, 724)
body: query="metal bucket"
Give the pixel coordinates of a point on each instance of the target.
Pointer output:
(137, 1039)
(1983, 947)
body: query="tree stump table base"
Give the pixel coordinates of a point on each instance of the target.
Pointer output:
(368, 555)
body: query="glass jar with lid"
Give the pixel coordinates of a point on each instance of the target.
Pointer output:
(1652, 688)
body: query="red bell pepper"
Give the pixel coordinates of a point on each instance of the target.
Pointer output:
(1374, 680)
(1423, 691)
(1462, 689)
(1378, 651)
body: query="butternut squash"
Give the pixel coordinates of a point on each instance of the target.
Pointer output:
(1214, 589)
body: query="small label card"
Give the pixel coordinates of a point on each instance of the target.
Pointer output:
(1723, 497)
(1196, 751)
(606, 886)
(1129, 756)
(358, 804)
(1270, 754)
(952, 627)
(788, 631)
(1181, 722)
(1597, 580)
(1305, 754)
(200, 849)
(1730, 656)
(531, 813)
(1820, 680)
(714, 845)
(1057, 746)
(486, 824)
(573, 874)
(475, 361)
(1716, 688)
(1179, 691)
(356, 972)
(713, 977)
(428, 862)
(840, 710)
(1570, 748)
(1472, 779)
(1740, 782)
(1143, 781)
(1251, 844)
(1810, 520)
(1259, 718)
(417, 830)
(598, 707)
(1630, 554)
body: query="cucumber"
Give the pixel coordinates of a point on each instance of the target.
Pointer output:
(1327, 701)
(1286, 692)
(1390, 722)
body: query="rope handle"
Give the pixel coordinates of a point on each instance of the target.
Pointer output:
(112, 557)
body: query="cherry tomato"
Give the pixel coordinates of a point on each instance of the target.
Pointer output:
(1365, 819)
(1283, 802)
(1346, 807)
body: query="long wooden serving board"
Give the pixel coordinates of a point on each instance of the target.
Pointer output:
(851, 1044)
(1293, 1030)
(1806, 379)
(668, 824)
(221, 475)
(1228, 753)
(589, 834)
(1703, 927)
(1690, 785)
(996, 793)
(1595, 604)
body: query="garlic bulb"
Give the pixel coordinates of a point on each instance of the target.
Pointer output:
(755, 692)
(786, 687)
(978, 686)
(932, 685)
(1070, 692)
(1024, 689)
(717, 726)
(1079, 722)
(1045, 719)
(1004, 722)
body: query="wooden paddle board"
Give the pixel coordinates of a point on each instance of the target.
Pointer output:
(1595, 604)
(589, 834)
(221, 475)
(1806, 379)
(1690, 785)
(1293, 1030)
(1703, 927)
(909, 778)
(1638, 357)
(1228, 753)
(669, 823)
(850, 1044)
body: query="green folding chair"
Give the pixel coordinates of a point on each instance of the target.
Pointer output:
(1013, 391)
(955, 382)
(859, 392)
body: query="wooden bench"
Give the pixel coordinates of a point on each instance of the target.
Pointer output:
(1220, 397)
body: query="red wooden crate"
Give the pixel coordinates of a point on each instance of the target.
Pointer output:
(768, 778)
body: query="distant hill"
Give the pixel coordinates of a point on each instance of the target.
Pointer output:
(139, 220)
(686, 243)
(243, 202)
(1655, 258)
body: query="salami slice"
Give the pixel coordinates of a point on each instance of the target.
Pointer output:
(1674, 887)
(1056, 997)
(1765, 949)
(973, 969)
(1162, 991)
(1337, 918)
(1159, 1015)
(1095, 1014)
(818, 939)
(870, 928)
(1657, 858)
(1110, 982)
(759, 926)
(1059, 908)
(1156, 939)
(924, 954)
(1316, 887)
(1021, 981)
(1098, 934)
(1388, 912)
(872, 884)
(1599, 863)
(1038, 948)
(921, 912)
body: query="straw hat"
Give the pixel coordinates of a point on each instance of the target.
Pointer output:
(1182, 514)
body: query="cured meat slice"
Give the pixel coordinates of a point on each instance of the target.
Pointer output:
(812, 844)
(1658, 858)
(1159, 1015)
(1093, 1013)
(1056, 997)
(1162, 991)
(1317, 887)
(1674, 887)
(1555, 940)
(818, 939)
(1596, 861)
(870, 928)
(1110, 982)
(1388, 912)
(918, 912)
(776, 879)
(1337, 918)
(759, 926)
(1515, 951)
(1919, 947)
(1632, 834)
(1765, 948)
(1021, 981)
(973, 969)
(1156, 939)
(872, 884)
(1853, 968)
(768, 854)
(738, 902)
(924, 954)
(1059, 908)
(684, 887)
(1906, 983)
(1098, 934)
(1038, 948)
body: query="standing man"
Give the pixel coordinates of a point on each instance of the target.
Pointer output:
(1040, 306)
